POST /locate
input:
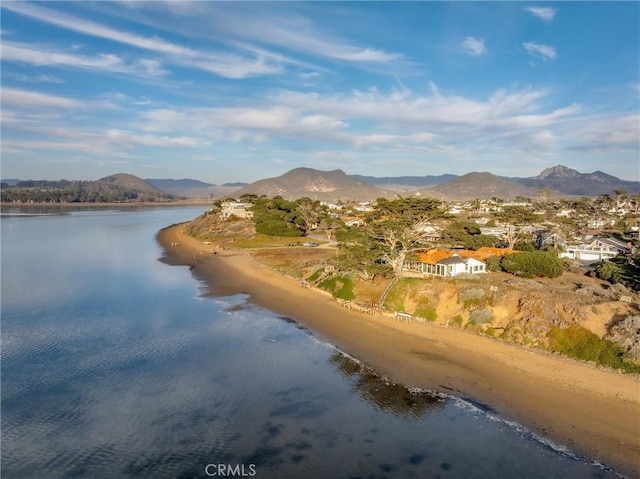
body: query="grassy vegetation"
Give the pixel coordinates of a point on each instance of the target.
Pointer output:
(339, 286)
(427, 312)
(580, 343)
(315, 275)
(395, 298)
(260, 240)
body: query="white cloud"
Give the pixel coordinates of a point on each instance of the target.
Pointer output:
(293, 33)
(23, 53)
(545, 13)
(90, 28)
(226, 65)
(386, 139)
(31, 99)
(473, 46)
(34, 79)
(546, 52)
(606, 133)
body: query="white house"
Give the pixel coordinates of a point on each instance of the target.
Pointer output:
(599, 249)
(450, 266)
(234, 208)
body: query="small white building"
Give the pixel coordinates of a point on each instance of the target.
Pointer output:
(235, 208)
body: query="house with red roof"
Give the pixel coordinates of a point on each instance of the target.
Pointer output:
(446, 263)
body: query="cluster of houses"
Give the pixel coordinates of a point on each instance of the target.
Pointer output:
(581, 246)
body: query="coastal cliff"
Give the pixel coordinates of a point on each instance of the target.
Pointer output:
(574, 314)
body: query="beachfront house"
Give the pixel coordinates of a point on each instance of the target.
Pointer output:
(446, 263)
(449, 266)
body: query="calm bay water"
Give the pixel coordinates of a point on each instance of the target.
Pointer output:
(115, 365)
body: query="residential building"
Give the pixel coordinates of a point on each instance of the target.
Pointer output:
(598, 249)
(445, 263)
(235, 208)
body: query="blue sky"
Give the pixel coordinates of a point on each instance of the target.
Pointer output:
(234, 91)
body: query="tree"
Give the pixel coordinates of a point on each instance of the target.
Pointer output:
(310, 212)
(515, 217)
(364, 259)
(399, 225)
(467, 234)
(620, 194)
(544, 194)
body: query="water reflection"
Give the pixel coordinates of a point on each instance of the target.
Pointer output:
(384, 394)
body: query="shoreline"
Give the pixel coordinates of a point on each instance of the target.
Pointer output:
(594, 411)
(128, 204)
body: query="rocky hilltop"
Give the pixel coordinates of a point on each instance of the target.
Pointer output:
(315, 184)
(567, 181)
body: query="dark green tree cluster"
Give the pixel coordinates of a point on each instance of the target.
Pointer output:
(623, 270)
(279, 217)
(529, 264)
(65, 191)
(467, 235)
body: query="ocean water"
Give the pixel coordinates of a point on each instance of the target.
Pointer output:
(116, 365)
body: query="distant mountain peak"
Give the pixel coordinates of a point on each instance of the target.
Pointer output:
(558, 171)
(327, 185)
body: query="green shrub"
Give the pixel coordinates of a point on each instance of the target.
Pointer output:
(339, 286)
(609, 271)
(458, 319)
(470, 303)
(427, 312)
(532, 263)
(580, 343)
(493, 263)
(278, 228)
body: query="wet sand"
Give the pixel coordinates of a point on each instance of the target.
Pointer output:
(594, 411)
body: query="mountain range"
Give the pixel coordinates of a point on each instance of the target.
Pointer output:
(337, 185)
(330, 185)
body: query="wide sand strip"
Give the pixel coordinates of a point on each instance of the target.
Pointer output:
(594, 410)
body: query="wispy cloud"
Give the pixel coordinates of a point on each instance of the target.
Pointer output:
(229, 65)
(76, 24)
(545, 13)
(546, 52)
(24, 53)
(21, 77)
(31, 99)
(606, 133)
(473, 46)
(294, 33)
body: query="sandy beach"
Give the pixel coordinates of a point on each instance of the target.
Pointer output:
(595, 411)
